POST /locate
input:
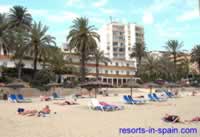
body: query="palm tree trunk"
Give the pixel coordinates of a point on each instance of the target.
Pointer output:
(82, 70)
(97, 69)
(35, 62)
(175, 67)
(19, 68)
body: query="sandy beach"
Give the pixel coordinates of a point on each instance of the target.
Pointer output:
(79, 121)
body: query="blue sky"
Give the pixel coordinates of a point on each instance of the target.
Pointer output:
(162, 19)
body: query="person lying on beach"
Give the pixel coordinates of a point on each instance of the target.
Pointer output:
(172, 118)
(45, 98)
(195, 119)
(22, 111)
(113, 106)
(66, 102)
(44, 111)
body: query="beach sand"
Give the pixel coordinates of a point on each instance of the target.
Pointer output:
(79, 121)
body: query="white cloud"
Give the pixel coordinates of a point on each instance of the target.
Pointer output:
(5, 8)
(110, 11)
(62, 17)
(38, 12)
(166, 31)
(189, 15)
(148, 18)
(72, 2)
(100, 3)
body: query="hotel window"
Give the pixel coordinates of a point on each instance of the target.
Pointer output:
(127, 65)
(117, 72)
(106, 71)
(128, 73)
(108, 48)
(115, 43)
(106, 64)
(117, 64)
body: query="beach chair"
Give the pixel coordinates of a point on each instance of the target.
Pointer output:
(136, 101)
(21, 98)
(57, 97)
(13, 98)
(169, 94)
(97, 106)
(127, 100)
(157, 98)
(151, 98)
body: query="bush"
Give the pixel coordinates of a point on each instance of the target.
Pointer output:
(42, 78)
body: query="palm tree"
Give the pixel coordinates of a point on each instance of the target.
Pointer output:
(19, 17)
(139, 52)
(174, 48)
(3, 32)
(82, 38)
(195, 55)
(99, 57)
(150, 68)
(20, 49)
(40, 42)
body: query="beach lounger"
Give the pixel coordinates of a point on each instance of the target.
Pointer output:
(136, 101)
(157, 98)
(127, 100)
(169, 94)
(151, 98)
(115, 107)
(97, 106)
(13, 98)
(57, 97)
(21, 98)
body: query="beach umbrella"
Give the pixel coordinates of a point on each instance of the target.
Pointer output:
(151, 85)
(17, 84)
(132, 84)
(171, 85)
(95, 84)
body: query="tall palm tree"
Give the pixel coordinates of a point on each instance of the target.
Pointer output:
(99, 57)
(3, 32)
(20, 49)
(83, 39)
(19, 17)
(174, 48)
(150, 68)
(39, 41)
(195, 55)
(139, 52)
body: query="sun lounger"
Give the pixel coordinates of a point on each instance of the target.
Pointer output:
(13, 98)
(115, 107)
(94, 104)
(136, 101)
(21, 98)
(127, 100)
(169, 94)
(151, 98)
(57, 97)
(157, 98)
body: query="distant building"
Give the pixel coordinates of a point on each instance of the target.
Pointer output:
(118, 39)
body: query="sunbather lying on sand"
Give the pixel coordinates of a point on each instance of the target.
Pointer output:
(22, 111)
(176, 119)
(45, 98)
(195, 119)
(172, 118)
(66, 102)
(114, 106)
(44, 111)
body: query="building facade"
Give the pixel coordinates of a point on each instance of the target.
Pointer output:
(118, 39)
